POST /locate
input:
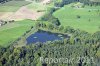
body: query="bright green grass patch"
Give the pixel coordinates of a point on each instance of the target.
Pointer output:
(36, 6)
(12, 6)
(39, 6)
(8, 8)
(15, 3)
(10, 35)
(89, 18)
(11, 32)
(93, 7)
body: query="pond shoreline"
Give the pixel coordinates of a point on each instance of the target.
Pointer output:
(23, 41)
(44, 36)
(54, 31)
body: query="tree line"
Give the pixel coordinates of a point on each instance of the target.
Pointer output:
(4, 1)
(86, 2)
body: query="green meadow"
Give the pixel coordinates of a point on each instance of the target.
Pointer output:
(12, 6)
(87, 18)
(10, 32)
(36, 6)
(39, 6)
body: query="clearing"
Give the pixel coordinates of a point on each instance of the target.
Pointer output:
(87, 18)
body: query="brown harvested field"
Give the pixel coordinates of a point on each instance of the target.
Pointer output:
(5, 15)
(25, 13)
(22, 13)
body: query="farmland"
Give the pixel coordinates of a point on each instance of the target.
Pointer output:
(11, 32)
(9, 8)
(19, 10)
(86, 18)
(23, 12)
(12, 6)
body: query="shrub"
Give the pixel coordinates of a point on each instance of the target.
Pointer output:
(78, 16)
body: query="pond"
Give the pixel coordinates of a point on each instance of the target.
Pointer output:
(43, 36)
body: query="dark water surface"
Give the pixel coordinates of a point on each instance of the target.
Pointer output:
(43, 36)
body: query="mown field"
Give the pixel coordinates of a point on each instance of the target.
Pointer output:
(87, 18)
(36, 6)
(40, 6)
(12, 6)
(10, 32)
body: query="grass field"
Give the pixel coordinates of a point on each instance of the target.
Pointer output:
(87, 18)
(39, 6)
(36, 6)
(10, 32)
(12, 6)
(18, 10)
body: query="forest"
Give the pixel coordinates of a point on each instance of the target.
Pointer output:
(4, 1)
(86, 2)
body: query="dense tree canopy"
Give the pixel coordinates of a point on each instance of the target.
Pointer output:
(3, 1)
(86, 2)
